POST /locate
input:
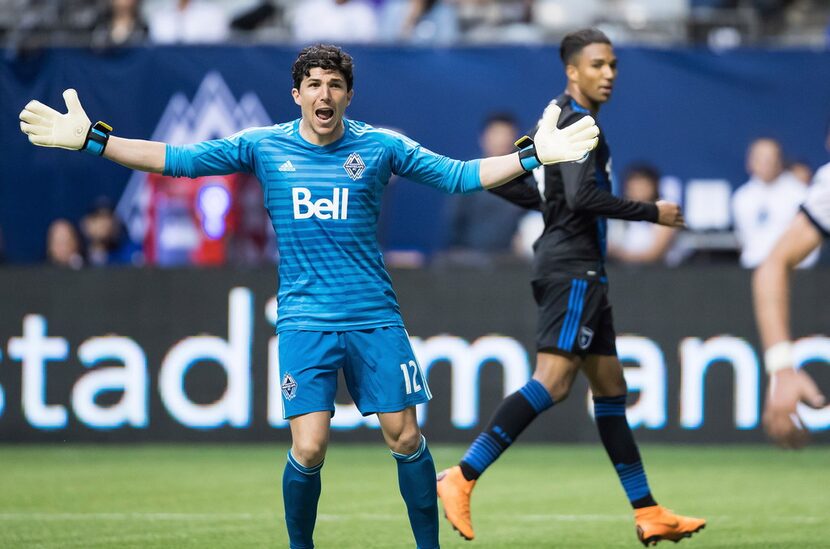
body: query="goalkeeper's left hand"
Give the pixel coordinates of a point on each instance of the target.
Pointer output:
(46, 127)
(566, 144)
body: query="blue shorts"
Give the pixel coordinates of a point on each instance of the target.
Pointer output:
(381, 372)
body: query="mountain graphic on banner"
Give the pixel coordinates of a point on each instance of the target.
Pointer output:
(213, 113)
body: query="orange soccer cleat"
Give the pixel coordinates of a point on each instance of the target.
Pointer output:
(656, 523)
(454, 492)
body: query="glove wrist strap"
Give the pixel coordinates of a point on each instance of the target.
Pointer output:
(97, 138)
(527, 153)
(528, 158)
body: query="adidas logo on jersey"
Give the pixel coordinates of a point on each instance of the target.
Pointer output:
(287, 166)
(336, 207)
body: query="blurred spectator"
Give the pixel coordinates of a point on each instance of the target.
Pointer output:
(802, 171)
(264, 14)
(189, 22)
(531, 226)
(763, 207)
(120, 25)
(419, 21)
(63, 246)
(481, 225)
(43, 23)
(106, 241)
(639, 242)
(497, 21)
(334, 21)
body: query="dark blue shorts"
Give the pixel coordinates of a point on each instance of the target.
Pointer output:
(574, 315)
(381, 372)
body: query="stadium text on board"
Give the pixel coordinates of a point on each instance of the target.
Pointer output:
(645, 374)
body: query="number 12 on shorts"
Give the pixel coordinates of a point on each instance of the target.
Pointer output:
(411, 385)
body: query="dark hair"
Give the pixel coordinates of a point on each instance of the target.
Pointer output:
(645, 171)
(575, 42)
(499, 118)
(326, 57)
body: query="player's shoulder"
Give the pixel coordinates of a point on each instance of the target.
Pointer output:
(819, 191)
(822, 177)
(260, 133)
(571, 110)
(384, 136)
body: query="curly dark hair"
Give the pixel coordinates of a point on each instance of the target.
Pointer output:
(326, 57)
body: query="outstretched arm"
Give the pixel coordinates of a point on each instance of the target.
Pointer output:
(47, 127)
(584, 195)
(551, 145)
(137, 154)
(771, 295)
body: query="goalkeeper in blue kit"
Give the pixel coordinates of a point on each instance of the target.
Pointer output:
(322, 177)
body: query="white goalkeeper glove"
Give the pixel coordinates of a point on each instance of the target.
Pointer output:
(46, 127)
(551, 145)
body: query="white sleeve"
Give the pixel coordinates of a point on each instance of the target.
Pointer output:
(742, 218)
(817, 204)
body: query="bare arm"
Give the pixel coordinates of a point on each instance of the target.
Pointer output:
(771, 281)
(416, 10)
(136, 154)
(771, 294)
(498, 170)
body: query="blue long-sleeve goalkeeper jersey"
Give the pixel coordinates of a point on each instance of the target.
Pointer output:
(324, 202)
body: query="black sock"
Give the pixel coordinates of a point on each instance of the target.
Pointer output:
(513, 415)
(609, 413)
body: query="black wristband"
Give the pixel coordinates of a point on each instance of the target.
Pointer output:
(528, 158)
(97, 138)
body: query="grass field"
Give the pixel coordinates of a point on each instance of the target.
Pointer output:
(536, 496)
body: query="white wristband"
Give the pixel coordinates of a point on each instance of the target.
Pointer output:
(778, 357)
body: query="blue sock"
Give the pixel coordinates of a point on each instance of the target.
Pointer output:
(300, 493)
(609, 413)
(513, 415)
(416, 478)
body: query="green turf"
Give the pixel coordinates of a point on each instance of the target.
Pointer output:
(536, 496)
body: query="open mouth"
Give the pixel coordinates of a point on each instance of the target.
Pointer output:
(325, 114)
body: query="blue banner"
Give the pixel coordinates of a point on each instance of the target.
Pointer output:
(690, 112)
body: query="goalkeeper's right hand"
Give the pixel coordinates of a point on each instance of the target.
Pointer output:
(46, 127)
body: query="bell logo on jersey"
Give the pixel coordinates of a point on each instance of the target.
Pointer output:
(336, 207)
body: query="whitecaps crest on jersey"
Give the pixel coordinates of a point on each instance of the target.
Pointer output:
(213, 113)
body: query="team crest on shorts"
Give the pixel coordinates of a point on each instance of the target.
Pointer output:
(354, 166)
(289, 387)
(586, 336)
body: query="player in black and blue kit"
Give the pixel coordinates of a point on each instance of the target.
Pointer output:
(322, 177)
(575, 326)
